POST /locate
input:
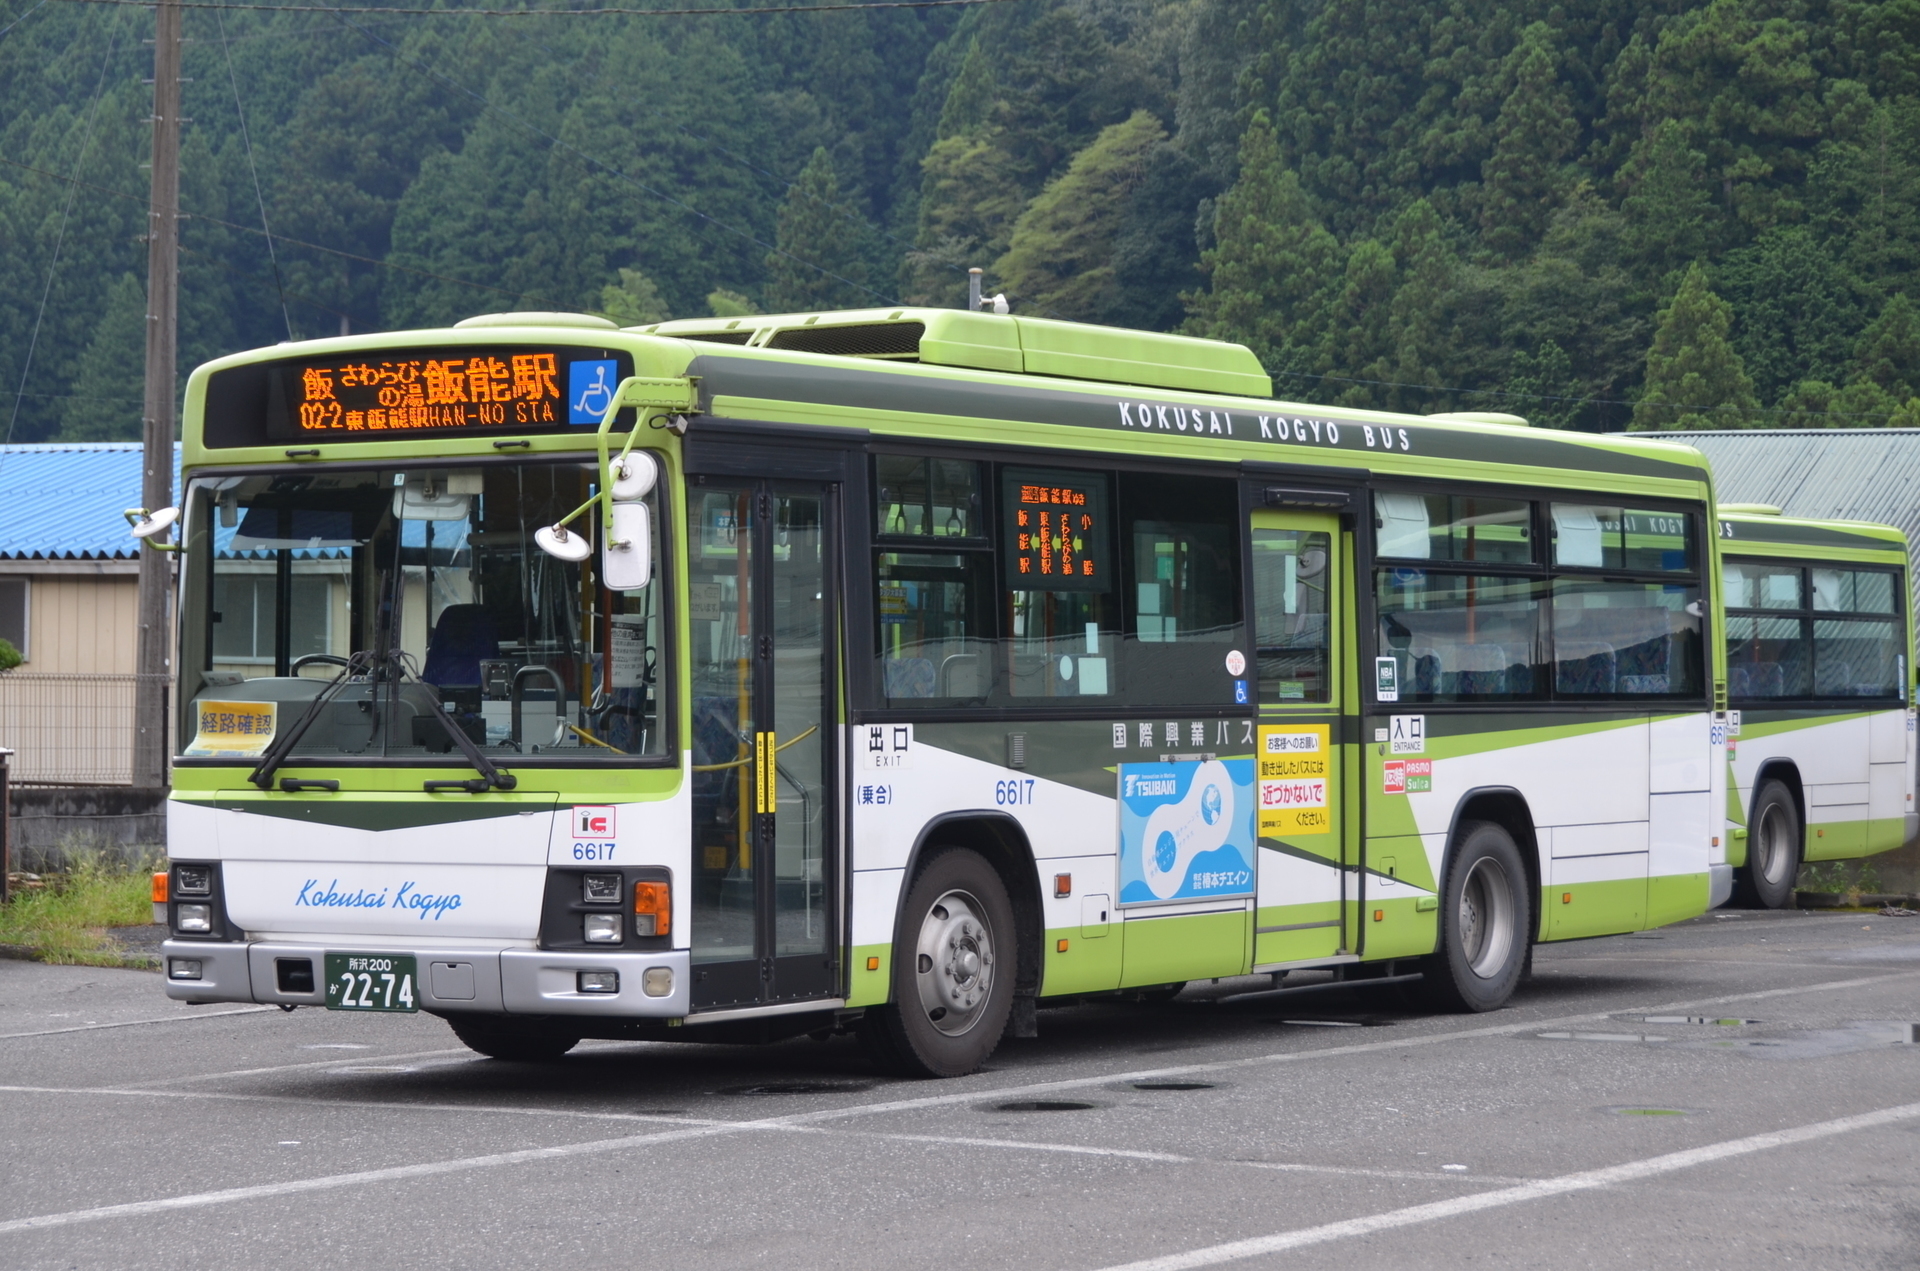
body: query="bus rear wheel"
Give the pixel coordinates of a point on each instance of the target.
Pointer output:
(530, 1041)
(1485, 921)
(1773, 850)
(953, 971)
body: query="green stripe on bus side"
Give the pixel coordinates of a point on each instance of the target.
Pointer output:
(1183, 947)
(1604, 908)
(864, 987)
(1403, 930)
(1776, 723)
(1672, 897)
(1845, 840)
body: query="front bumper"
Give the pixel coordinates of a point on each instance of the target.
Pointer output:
(483, 981)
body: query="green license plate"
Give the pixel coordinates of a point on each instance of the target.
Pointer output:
(372, 982)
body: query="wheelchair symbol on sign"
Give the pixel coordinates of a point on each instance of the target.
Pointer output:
(596, 396)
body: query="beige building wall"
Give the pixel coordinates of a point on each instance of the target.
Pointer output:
(82, 625)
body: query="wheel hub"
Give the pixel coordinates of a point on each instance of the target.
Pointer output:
(954, 963)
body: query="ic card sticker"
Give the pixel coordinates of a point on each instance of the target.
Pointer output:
(1186, 830)
(1295, 783)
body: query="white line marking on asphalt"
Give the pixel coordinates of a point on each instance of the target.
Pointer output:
(1420, 1176)
(382, 1105)
(431, 1168)
(129, 1023)
(1632, 1171)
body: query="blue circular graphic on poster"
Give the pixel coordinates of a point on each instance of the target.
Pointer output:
(1165, 850)
(1210, 805)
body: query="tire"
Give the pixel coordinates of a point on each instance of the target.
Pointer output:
(1774, 836)
(518, 1041)
(1486, 923)
(954, 963)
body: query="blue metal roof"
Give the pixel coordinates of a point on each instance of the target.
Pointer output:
(63, 501)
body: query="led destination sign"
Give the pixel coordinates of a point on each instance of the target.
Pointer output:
(1056, 530)
(391, 395)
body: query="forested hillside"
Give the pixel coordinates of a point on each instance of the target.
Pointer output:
(1595, 213)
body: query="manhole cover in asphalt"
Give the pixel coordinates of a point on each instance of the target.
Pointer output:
(1045, 1105)
(1173, 1085)
(800, 1087)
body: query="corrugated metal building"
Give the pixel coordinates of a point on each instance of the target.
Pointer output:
(1854, 474)
(68, 586)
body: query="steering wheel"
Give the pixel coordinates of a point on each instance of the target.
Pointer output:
(331, 659)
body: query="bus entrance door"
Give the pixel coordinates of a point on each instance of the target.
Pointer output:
(761, 920)
(1300, 623)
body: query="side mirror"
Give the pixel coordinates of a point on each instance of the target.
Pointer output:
(626, 559)
(149, 526)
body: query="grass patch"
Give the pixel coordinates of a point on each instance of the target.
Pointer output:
(66, 922)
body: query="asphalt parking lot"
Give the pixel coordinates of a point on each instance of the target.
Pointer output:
(1618, 1113)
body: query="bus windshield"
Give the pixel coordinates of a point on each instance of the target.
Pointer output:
(433, 568)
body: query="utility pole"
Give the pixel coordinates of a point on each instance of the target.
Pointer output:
(156, 485)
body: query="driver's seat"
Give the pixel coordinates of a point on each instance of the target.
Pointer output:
(461, 637)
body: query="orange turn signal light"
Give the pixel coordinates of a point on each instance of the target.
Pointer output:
(1062, 886)
(1566, 898)
(652, 901)
(160, 877)
(873, 964)
(1060, 947)
(1379, 915)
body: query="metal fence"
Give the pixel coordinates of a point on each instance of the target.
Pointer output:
(68, 729)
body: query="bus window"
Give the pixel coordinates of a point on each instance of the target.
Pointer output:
(1056, 554)
(1589, 536)
(431, 569)
(927, 498)
(1751, 585)
(1453, 527)
(1852, 591)
(1629, 639)
(1183, 588)
(1292, 598)
(1461, 637)
(1766, 657)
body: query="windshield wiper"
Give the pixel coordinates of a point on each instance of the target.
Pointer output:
(283, 745)
(490, 778)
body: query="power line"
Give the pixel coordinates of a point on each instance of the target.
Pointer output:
(22, 18)
(258, 198)
(297, 242)
(718, 11)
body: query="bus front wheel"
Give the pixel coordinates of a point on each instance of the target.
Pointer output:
(1773, 850)
(953, 972)
(520, 1041)
(1485, 920)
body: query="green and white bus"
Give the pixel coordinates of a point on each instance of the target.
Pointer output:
(903, 671)
(1819, 642)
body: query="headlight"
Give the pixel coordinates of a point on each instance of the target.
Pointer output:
(193, 917)
(600, 928)
(598, 981)
(183, 968)
(600, 889)
(192, 880)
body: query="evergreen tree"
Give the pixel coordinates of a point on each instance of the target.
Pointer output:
(1667, 205)
(1541, 387)
(1889, 351)
(634, 301)
(818, 261)
(109, 381)
(1059, 262)
(1799, 309)
(1272, 265)
(1534, 134)
(1695, 379)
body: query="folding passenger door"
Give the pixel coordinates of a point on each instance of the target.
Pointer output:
(1301, 606)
